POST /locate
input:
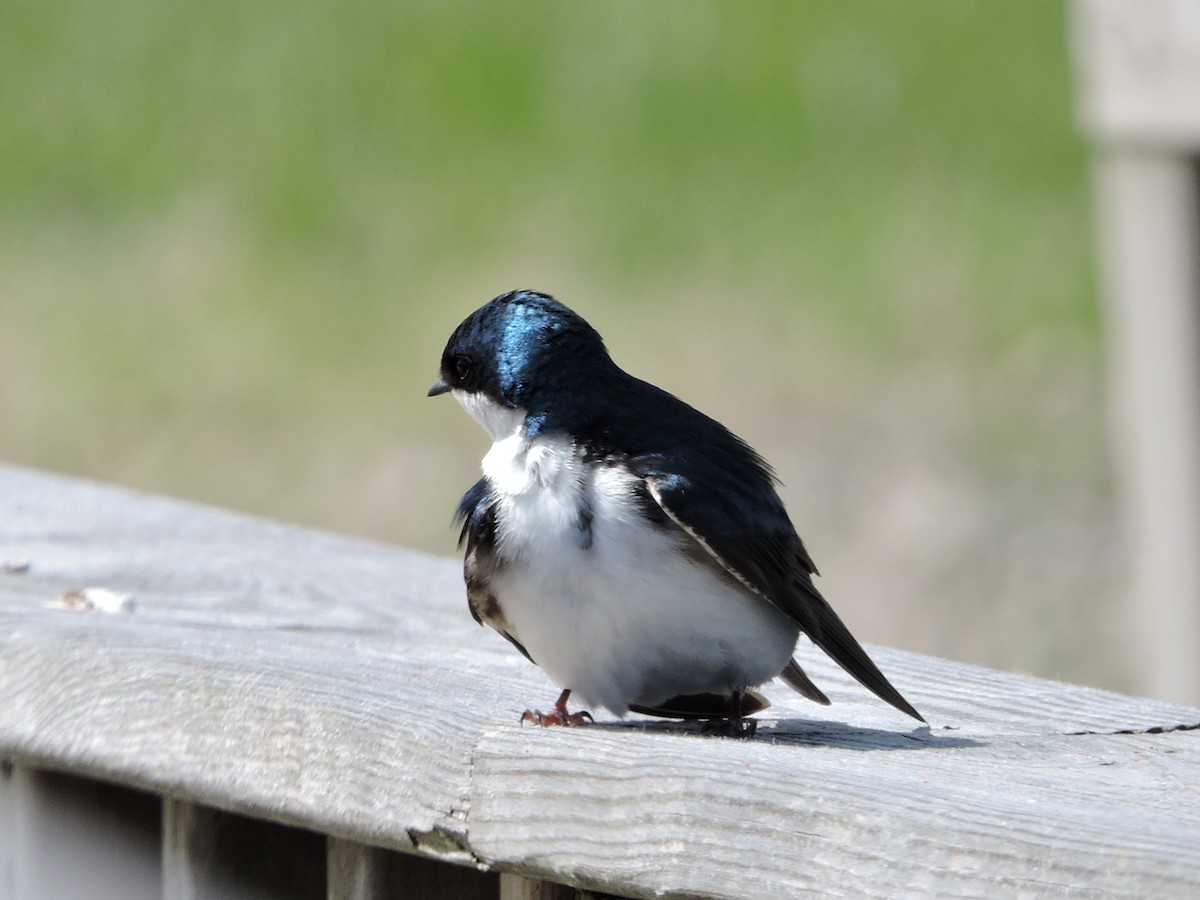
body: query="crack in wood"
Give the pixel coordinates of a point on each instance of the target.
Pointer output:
(1154, 729)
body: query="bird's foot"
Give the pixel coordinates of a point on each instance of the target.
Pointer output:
(557, 716)
(734, 724)
(731, 727)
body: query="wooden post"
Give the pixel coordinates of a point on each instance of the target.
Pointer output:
(188, 847)
(1139, 97)
(1148, 212)
(209, 854)
(361, 872)
(356, 871)
(518, 887)
(64, 836)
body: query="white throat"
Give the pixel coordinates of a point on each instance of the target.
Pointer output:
(498, 421)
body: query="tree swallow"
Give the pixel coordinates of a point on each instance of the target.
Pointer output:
(631, 546)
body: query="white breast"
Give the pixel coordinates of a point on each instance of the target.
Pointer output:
(617, 613)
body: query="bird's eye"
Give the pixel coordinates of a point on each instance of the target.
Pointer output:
(462, 365)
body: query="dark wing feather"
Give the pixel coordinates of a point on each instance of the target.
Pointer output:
(732, 510)
(477, 513)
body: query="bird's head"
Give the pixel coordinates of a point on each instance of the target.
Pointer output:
(521, 355)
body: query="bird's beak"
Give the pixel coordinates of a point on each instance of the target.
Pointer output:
(440, 387)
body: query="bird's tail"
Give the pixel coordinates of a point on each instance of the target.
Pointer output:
(828, 632)
(802, 684)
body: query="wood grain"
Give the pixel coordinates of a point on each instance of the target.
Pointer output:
(341, 685)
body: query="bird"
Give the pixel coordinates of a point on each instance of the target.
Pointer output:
(629, 545)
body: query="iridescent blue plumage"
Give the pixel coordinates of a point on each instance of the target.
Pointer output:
(530, 325)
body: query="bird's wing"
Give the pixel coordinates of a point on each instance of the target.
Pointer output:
(477, 513)
(744, 527)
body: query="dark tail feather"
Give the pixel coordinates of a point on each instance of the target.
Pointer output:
(829, 633)
(802, 684)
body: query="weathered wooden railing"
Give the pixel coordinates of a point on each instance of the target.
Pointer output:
(286, 713)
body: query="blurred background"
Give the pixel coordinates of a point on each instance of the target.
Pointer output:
(235, 237)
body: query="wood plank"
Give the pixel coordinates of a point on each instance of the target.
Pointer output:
(236, 621)
(818, 810)
(342, 686)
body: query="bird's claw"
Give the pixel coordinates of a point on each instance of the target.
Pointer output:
(537, 717)
(557, 716)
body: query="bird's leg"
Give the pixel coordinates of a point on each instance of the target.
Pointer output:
(557, 716)
(735, 724)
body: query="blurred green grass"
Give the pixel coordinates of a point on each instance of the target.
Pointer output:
(233, 238)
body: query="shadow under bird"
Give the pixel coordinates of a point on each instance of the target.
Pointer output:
(631, 546)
